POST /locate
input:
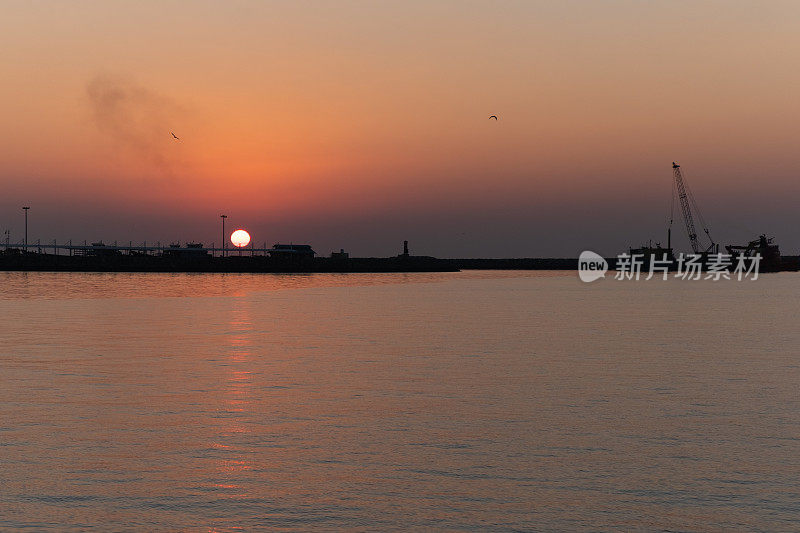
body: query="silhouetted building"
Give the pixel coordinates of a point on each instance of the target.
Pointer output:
(405, 249)
(193, 250)
(98, 249)
(341, 254)
(291, 252)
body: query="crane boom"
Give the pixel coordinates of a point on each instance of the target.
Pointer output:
(687, 211)
(683, 196)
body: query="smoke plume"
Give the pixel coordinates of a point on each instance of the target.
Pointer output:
(135, 119)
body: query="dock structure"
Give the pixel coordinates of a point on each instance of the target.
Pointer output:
(195, 257)
(101, 249)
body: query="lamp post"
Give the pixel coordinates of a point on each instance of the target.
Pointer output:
(26, 226)
(223, 217)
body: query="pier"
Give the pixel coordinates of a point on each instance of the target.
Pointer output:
(98, 248)
(194, 257)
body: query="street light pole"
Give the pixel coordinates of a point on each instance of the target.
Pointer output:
(26, 226)
(223, 217)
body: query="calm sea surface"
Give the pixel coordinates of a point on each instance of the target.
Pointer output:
(464, 401)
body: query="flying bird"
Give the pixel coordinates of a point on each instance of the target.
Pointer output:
(493, 117)
(176, 137)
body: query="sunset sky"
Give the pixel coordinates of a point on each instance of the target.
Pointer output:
(357, 125)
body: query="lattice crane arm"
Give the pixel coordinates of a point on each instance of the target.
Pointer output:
(685, 200)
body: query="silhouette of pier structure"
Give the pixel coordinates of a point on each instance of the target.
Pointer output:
(153, 249)
(195, 257)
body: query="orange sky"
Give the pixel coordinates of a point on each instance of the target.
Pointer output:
(359, 124)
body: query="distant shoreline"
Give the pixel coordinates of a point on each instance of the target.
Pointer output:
(40, 262)
(234, 263)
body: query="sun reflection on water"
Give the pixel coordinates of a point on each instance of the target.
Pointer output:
(236, 392)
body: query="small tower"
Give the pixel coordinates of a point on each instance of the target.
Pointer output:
(405, 248)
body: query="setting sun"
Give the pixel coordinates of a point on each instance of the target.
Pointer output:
(240, 238)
